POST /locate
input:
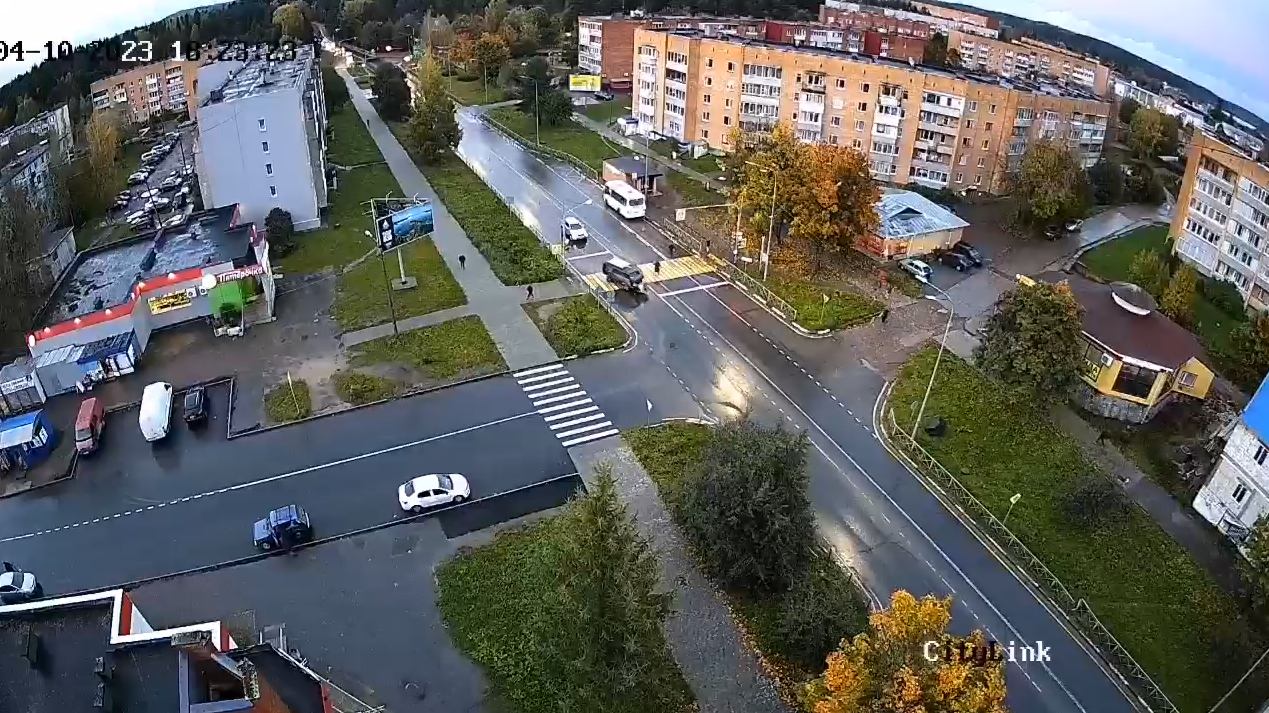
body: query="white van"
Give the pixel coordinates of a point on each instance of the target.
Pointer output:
(156, 411)
(623, 198)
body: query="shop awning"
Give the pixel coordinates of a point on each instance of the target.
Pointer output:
(102, 348)
(18, 430)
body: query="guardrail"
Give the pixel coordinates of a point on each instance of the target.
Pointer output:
(556, 154)
(1076, 610)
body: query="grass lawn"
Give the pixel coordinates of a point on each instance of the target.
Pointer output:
(459, 346)
(607, 111)
(843, 309)
(513, 251)
(577, 325)
(288, 402)
(361, 297)
(692, 192)
(1159, 604)
(357, 388)
(489, 598)
(472, 93)
(344, 241)
(570, 137)
(350, 142)
(707, 164)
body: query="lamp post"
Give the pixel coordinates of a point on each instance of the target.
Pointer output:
(1012, 501)
(951, 312)
(765, 249)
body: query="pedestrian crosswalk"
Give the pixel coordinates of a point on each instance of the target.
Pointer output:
(670, 270)
(562, 402)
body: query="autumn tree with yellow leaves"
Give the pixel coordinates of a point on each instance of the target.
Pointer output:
(888, 669)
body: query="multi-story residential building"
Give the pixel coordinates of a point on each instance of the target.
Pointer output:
(605, 43)
(1236, 495)
(934, 127)
(262, 138)
(962, 17)
(30, 171)
(167, 86)
(1221, 226)
(54, 125)
(944, 21)
(1028, 58)
(863, 33)
(1242, 133)
(1186, 115)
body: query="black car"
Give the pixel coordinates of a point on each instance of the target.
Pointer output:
(970, 252)
(195, 405)
(604, 96)
(955, 260)
(1053, 232)
(284, 527)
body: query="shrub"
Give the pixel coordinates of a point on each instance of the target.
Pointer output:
(281, 231)
(357, 388)
(822, 608)
(288, 402)
(1096, 501)
(1224, 296)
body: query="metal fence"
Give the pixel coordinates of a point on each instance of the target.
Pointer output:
(543, 149)
(1077, 611)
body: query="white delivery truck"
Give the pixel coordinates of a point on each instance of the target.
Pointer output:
(156, 411)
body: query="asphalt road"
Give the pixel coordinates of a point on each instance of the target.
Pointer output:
(138, 510)
(732, 356)
(174, 161)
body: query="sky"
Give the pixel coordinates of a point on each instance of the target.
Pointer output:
(1224, 46)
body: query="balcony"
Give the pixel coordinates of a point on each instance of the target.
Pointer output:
(678, 66)
(887, 100)
(937, 128)
(945, 149)
(923, 144)
(1246, 196)
(887, 119)
(928, 182)
(941, 109)
(929, 165)
(1215, 178)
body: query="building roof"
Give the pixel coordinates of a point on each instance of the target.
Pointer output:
(905, 213)
(24, 159)
(297, 688)
(262, 76)
(637, 166)
(1120, 317)
(104, 277)
(1256, 415)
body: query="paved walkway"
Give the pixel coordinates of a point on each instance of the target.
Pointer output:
(608, 133)
(498, 306)
(718, 666)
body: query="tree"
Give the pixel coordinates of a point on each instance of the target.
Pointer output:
(1248, 361)
(392, 94)
(463, 50)
(746, 506)
(21, 224)
(103, 138)
(1178, 299)
(762, 163)
(1050, 184)
(600, 630)
(334, 89)
(290, 19)
(490, 52)
(1107, 180)
(937, 53)
(6, 117)
(1127, 109)
(1149, 271)
(835, 202)
(495, 12)
(433, 131)
(1256, 566)
(907, 662)
(28, 109)
(440, 33)
(1033, 342)
(280, 229)
(1147, 132)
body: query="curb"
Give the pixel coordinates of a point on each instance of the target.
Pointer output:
(175, 390)
(66, 475)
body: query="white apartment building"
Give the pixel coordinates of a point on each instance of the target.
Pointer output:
(30, 170)
(261, 138)
(945, 24)
(1236, 495)
(1187, 116)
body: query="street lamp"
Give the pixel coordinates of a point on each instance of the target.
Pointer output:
(537, 108)
(765, 248)
(951, 312)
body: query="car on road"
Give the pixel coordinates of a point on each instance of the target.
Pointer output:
(573, 231)
(177, 221)
(137, 219)
(604, 96)
(969, 251)
(195, 404)
(17, 586)
(284, 527)
(151, 193)
(622, 274)
(158, 204)
(955, 260)
(138, 177)
(429, 491)
(1075, 226)
(916, 268)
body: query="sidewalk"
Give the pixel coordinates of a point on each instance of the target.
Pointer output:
(607, 132)
(724, 675)
(498, 306)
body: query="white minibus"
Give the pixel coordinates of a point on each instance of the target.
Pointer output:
(623, 198)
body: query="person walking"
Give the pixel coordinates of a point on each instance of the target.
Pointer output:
(530, 291)
(885, 314)
(656, 267)
(462, 262)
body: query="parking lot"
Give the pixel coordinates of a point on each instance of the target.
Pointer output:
(178, 162)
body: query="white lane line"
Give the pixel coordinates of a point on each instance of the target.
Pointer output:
(590, 437)
(555, 371)
(576, 394)
(537, 370)
(546, 384)
(560, 407)
(583, 257)
(576, 421)
(571, 387)
(591, 427)
(305, 471)
(697, 288)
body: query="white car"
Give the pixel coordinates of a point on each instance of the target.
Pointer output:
(176, 221)
(573, 231)
(17, 586)
(152, 193)
(1075, 226)
(428, 491)
(137, 219)
(917, 269)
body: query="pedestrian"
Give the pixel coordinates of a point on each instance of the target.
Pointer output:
(530, 291)
(656, 267)
(885, 314)
(671, 250)
(462, 262)
(1103, 438)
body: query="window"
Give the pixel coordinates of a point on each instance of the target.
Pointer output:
(1240, 493)
(705, 133)
(1261, 452)
(709, 62)
(973, 106)
(705, 116)
(261, 123)
(859, 126)
(960, 178)
(731, 66)
(965, 141)
(978, 180)
(963, 160)
(273, 191)
(836, 121)
(969, 124)
(726, 103)
(264, 146)
(1134, 381)
(268, 169)
(863, 106)
(981, 162)
(986, 143)
(709, 81)
(832, 139)
(857, 143)
(993, 109)
(705, 99)
(865, 88)
(726, 120)
(841, 83)
(989, 126)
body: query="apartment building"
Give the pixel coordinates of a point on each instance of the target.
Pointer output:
(152, 88)
(923, 125)
(944, 21)
(963, 17)
(31, 171)
(605, 43)
(261, 138)
(1186, 115)
(1221, 225)
(1030, 58)
(1236, 495)
(54, 125)
(878, 41)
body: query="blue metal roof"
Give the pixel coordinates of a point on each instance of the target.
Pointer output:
(1256, 415)
(18, 421)
(18, 430)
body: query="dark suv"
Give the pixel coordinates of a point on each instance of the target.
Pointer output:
(955, 260)
(970, 252)
(624, 275)
(195, 406)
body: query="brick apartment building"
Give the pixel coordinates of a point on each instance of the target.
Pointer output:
(170, 85)
(942, 20)
(1221, 225)
(605, 43)
(962, 17)
(862, 33)
(918, 124)
(1027, 57)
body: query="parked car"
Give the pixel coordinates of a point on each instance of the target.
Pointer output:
(170, 183)
(120, 203)
(138, 177)
(195, 404)
(955, 260)
(180, 199)
(151, 193)
(969, 251)
(188, 170)
(1053, 232)
(622, 274)
(159, 203)
(285, 527)
(156, 411)
(604, 96)
(1075, 226)
(137, 219)
(124, 195)
(177, 221)
(573, 231)
(17, 586)
(89, 424)
(916, 268)
(427, 491)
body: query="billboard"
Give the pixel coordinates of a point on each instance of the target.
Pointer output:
(585, 82)
(398, 221)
